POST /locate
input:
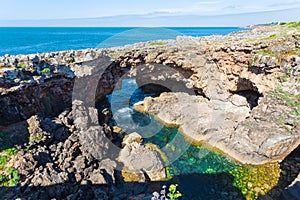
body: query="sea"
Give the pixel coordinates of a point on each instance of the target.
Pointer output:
(30, 40)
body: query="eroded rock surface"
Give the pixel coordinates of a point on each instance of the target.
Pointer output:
(140, 160)
(246, 104)
(251, 138)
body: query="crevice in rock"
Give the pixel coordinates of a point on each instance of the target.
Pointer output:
(154, 89)
(245, 84)
(251, 96)
(247, 89)
(200, 92)
(261, 70)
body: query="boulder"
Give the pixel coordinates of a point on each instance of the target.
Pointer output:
(140, 160)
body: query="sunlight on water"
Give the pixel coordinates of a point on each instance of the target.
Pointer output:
(180, 156)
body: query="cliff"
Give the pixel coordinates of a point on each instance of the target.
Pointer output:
(237, 93)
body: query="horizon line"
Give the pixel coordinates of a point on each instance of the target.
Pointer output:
(171, 13)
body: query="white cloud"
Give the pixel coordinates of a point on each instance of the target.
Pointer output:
(286, 4)
(208, 2)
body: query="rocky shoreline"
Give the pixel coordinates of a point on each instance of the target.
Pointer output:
(238, 93)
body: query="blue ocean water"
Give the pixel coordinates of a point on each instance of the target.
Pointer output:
(30, 40)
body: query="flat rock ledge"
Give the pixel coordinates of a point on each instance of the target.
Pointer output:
(250, 137)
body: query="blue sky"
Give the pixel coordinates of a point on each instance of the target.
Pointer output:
(69, 9)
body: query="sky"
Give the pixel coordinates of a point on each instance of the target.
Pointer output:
(76, 9)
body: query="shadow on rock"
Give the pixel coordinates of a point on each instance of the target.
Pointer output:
(192, 186)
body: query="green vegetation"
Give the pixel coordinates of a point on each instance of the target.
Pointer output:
(282, 23)
(45, 70)
(292, 101)
(20, 66)
(273, 36)
(293, 113)
(283, 78)
(17, 80)
(157, 43)
(279, 51)
(9, 177)
(290, 24)
(174, 194)
(293, 24)
(250, 180)
(37, 137)
(11, 151)
(255, 180)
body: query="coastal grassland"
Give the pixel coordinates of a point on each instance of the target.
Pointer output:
(293, 103)
(290, 24)
(279, 49)
(157, 43)
(9, 176)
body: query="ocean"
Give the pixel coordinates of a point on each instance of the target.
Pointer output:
(29, 40)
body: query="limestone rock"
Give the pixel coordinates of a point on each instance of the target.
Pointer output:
(256, 139)
(140, 160)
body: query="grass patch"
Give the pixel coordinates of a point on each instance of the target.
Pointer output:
(283, 78)
(293, 102)
(290, 24)
(273, 36)
(293, 24)
(20, 66)
(9, 177)
(157, 43)
(45, 70)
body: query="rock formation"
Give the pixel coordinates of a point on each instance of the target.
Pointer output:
(238, 93)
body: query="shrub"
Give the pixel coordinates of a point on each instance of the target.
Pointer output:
(45, 70)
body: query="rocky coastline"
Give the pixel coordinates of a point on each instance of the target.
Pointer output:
(237, 93)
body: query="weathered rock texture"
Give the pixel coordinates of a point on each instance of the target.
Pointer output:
(140, 160)
(227, 125)
(240, 94)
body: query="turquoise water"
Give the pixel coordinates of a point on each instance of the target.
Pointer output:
(181, 156)
(37, 40)
(200, 172)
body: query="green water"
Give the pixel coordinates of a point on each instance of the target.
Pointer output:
(199, 169)
(192, 159)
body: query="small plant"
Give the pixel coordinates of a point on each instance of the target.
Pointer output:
(9, 177)
(45, 70)
(11, 151)
(173, 194)
(3, 160)
(17, 80)
(39, 136)
(273, 36)
(20, 66)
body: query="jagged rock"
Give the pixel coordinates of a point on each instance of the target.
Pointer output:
(96, 143)
(225, 125)
(138, 159)
(227, 71)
